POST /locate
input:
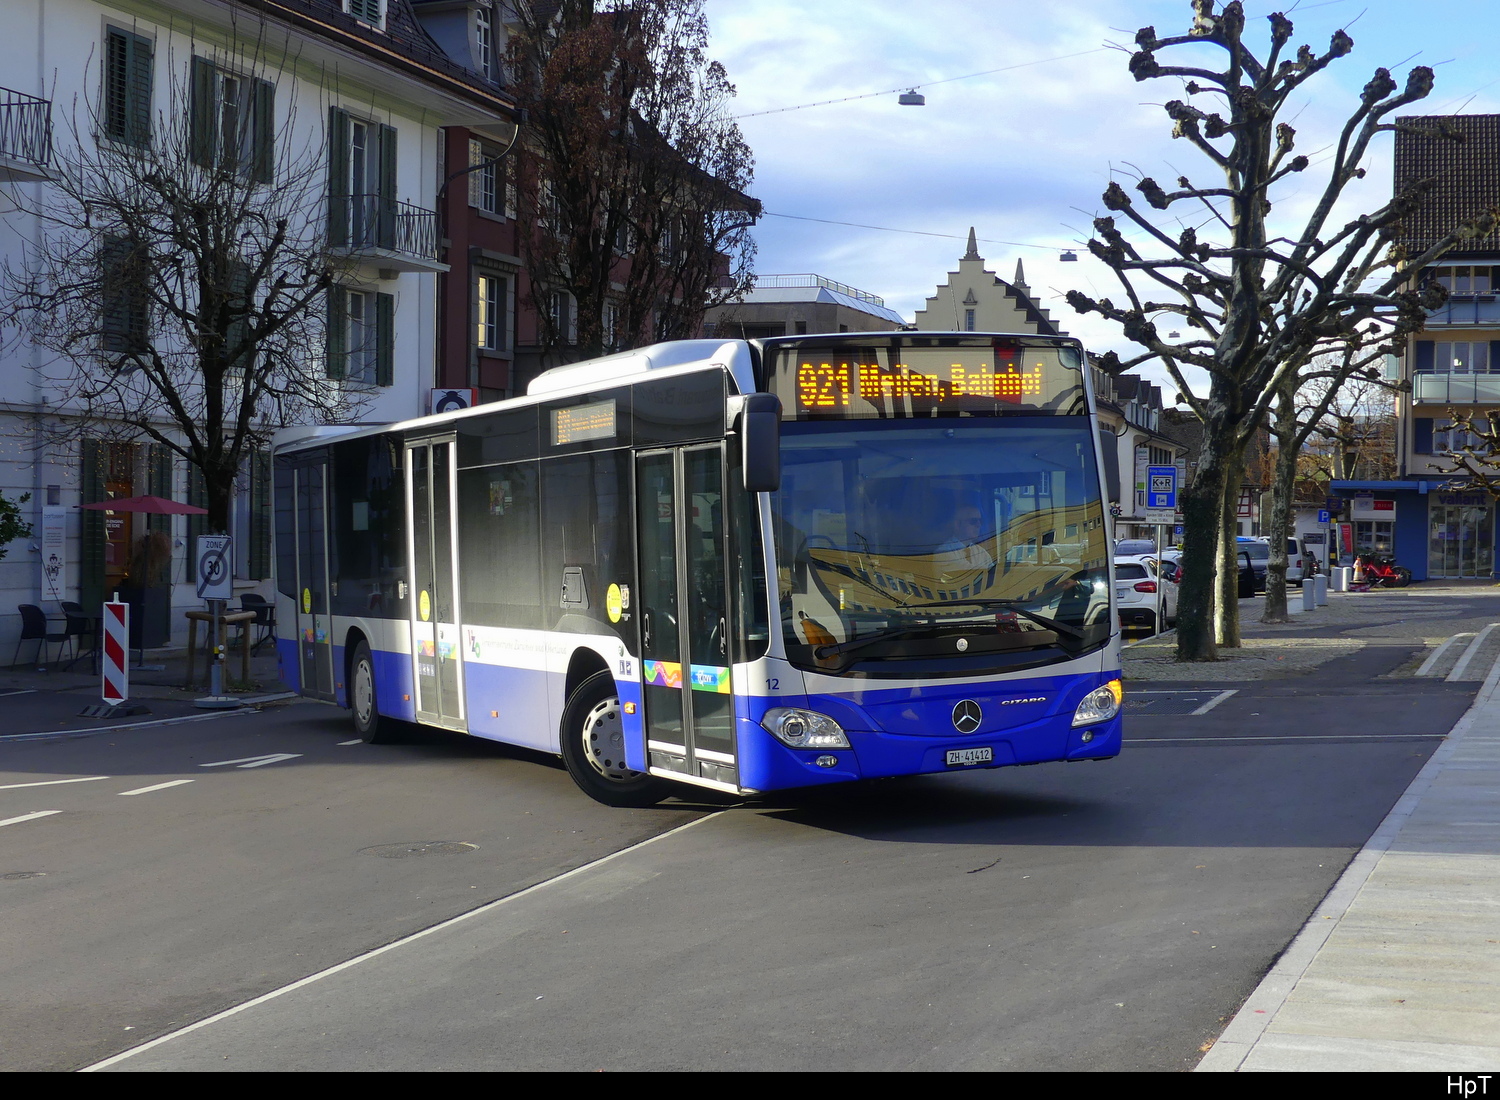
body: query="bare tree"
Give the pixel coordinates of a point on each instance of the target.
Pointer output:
(1257, 301)
(178, 272)
(632, 169)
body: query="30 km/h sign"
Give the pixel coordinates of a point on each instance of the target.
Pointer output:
(1161, 487)
(215, 577)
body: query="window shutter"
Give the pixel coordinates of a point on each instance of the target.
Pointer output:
(91, 566)
(260, 515)
(338, 310)
(201, 111)
(138, 90)
(1422, 443)
(509, 186)
(386, 233)
(1424, 355)
(338, 178)
(476, 188)
(264, 168)
(159, 484)
(385, 337)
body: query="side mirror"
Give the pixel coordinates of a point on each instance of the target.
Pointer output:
(760, 442)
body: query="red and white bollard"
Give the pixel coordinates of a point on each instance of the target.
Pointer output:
(116, 663)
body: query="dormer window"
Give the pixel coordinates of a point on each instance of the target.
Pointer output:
(484, 37)
(367, 11)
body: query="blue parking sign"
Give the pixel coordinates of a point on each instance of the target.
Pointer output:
(1324, 515)
(1161, 487)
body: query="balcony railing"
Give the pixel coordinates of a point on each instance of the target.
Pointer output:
(374, 223)
(1456, 389)
(25, 131)
(818, 281)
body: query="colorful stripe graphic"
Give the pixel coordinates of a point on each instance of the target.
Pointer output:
(663, 673)
(709, 678)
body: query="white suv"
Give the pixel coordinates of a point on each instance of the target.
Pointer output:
(1139, 586)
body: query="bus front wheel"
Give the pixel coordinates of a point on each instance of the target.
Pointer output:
(368, 721)
(593, 748)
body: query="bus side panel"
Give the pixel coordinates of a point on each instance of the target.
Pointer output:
(390, 649)
(507, 686)
(287, 668)
(908, 731)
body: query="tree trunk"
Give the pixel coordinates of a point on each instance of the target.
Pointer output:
(1227, 609)
(1201, 507)
(218, 485)
(1283, 486)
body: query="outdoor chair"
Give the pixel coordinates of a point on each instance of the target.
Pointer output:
(34, 629)
(81, 626)
(265, 616)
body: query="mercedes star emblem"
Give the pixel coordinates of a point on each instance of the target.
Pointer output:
(966, 716)
(963, 644)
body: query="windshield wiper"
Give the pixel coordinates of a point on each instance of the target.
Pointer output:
(1018, 608)
(826, 651)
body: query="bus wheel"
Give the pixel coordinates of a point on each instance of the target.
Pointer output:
(368, 722)
(593, 748)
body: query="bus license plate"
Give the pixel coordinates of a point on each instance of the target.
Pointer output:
(970, 756)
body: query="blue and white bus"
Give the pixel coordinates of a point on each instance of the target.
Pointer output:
(746, 566)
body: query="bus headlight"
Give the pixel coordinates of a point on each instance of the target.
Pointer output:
(1099, 705)
(804, 729)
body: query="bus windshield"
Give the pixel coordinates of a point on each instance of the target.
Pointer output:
(899, 540)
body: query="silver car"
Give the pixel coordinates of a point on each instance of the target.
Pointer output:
(1140, 589)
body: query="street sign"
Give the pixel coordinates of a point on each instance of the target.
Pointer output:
(215, 577)
(1324, 515)
(1161, 487)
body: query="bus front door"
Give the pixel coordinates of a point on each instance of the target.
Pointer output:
(684, 614)
(314, 622)
(437, 656)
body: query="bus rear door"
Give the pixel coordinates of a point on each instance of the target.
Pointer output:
(684, 614)
(437, 655)
(314, 622)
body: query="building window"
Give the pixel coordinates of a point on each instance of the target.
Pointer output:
(562, 315)
(366, 11)
(612, 341)
(1464, 279)
(1445, 438)
(491, 313)
(1159, 456)
(1456, 357)
(233, 121)
(484, 36)
(488, 184)
(127, 87)
(362, 182)
(968, 320)
(361, 337)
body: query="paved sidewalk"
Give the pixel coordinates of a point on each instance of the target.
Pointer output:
(1399, 967)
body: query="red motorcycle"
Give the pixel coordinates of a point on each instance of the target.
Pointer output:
(1383, 573)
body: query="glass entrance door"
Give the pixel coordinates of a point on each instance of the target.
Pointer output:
(314, 625)
(436, 654)
(1461, 538)
(685, 619)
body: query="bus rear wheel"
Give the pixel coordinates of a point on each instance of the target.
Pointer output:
(369, 723)
(593, 748)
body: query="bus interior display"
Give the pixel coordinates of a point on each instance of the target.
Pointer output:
(746, 566)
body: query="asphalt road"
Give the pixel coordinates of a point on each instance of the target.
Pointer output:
(1102, 916)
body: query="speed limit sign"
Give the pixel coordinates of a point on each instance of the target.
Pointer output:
(215, 577)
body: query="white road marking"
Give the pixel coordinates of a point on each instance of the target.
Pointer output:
(1215, 701)
(368, 955)
(254, 761)
(158, 787)
(29, 817)
(44, 735)
(356, 741)
(52, 782)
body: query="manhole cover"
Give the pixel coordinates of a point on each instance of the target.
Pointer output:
(14, 875)
(422, 848)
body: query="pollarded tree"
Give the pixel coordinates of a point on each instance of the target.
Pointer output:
(178, 271)
(1256, 298)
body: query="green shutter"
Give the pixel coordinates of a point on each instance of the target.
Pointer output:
(338, 178)
(116, 84)
(196, 525)
(265, 131)
(201, 111)
(159, 484)
(91, 565)
(260, 515)
(385, 338)
(338, 309)
(386, 231)
(139, 99)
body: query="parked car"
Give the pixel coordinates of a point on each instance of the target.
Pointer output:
(1259, 552)
(1139, 584)
(1132, 547)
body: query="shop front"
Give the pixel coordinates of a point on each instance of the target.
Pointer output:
(1433, 528)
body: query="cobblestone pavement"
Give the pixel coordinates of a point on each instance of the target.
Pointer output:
(1426, 614)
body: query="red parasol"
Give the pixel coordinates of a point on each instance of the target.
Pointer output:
(156, 506)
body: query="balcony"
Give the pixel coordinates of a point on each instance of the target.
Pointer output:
(1456, 389)
(1466, 309)
(381, 233)
(25, 137)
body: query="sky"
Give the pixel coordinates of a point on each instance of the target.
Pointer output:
(1024, 154)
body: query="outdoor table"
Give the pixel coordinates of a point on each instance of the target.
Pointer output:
(226, 618)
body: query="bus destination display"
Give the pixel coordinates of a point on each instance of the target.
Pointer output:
(855, 382)
(583, 423)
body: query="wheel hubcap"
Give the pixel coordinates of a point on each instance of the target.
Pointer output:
(604, 742)
(364, 693)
